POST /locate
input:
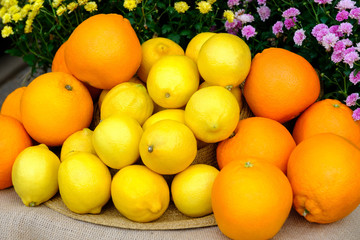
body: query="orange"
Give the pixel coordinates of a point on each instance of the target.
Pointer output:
(324, 174)
(103, 51)
(55, 105)
(13, 139)
(251, 199)
(59, 65)
(280, 84)
(260, 138)
(328, 115)
(11, 104)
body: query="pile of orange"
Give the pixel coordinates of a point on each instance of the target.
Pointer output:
(295, 151)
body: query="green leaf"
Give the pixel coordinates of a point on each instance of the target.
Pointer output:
(175, 37)
(165, 29)
(30, 59)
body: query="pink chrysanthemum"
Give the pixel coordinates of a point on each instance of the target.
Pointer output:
(335, 30)
(264, 12)
(323, 1)
(233, 27)
(319, 31)
(290, 22)
(345, 4)
(351, 99)
(342, 15)
(356, 114)
(248, 31)
(355, 13)
(346, 28)
(329, 40)
(351, 56)
(291, 12)
(354, 78)
(245, 18)
(232, 3)
(278, 27)
(261, 2)
(299, 37)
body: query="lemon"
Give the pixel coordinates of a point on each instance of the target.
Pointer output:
(191, 190)
(102, 96)
(80, 141)
(173, 114)
(152, 50)
(168, 147)
(172, 80)
(84, 183)
(224, 59)
(35, 175)
(116, 140)
(195, 44)
(236, 91)
(130, 98)
(140, 194)
(212, 113)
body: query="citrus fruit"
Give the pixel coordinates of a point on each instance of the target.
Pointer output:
(323, 171)
(281, 84)
(172, 80)
(55, 105)
(191, 190)
(84, 183)
(140, 194)
(58, 62)
(224, 60)
(236, 91)
(128, 98)
(257, 137)
(11, 104)
(152, 50)
(80, 141)
(172, 114)
(13, 139)
(168, 147)
(35, 175)
(195, 44)
(328, 115)
(116, 140)
(103, 51)
(212, 113)
(102, 96)
(251, 199)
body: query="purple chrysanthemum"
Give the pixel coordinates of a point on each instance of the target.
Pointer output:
(354, 78)
(232, 3)
(290, 22)
(351, 99)
(351, 56)
(323, 1)
(278, 27)
(345, 28)
(342, 15)
(345, 4)
(299, 37)
(248, 31)
(291, 12)
(356, 114)
(264, 12)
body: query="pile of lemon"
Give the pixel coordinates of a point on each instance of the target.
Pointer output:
(150, 127)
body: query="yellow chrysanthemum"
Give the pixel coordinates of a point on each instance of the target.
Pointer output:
(6, 31)
(204, 7)
(14, 9)
(72, 6)
(181, 7)
(91, 6)
(6, 18)
(24, 11)
(82, 2)
(28, 25)
(60, 10)
(211, 1)
(130, 4)
(56, 3)
(3, 10)
(229, 15)
(16, 17)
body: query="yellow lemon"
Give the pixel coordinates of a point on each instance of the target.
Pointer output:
(224, 59)
(172, 114)
(195, 44)
(212, 113)
(130, 98)
(168, 147)
(80, 141)
(236, 91)
(172, 80)
(191, 190)
(152, 50)
(140, 194)
(116, 140)
(102, 96)
(84, 183)
(35, 175)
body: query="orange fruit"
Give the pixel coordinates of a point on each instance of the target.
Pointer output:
(280, 84)
(324, 174)
(55, 105)
(251, 199)
(257, 137)
(328, 115)
(58, 63)
(13, 139)
(103, 51)
(11, 104)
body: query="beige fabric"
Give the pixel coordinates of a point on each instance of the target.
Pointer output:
(20, 222)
